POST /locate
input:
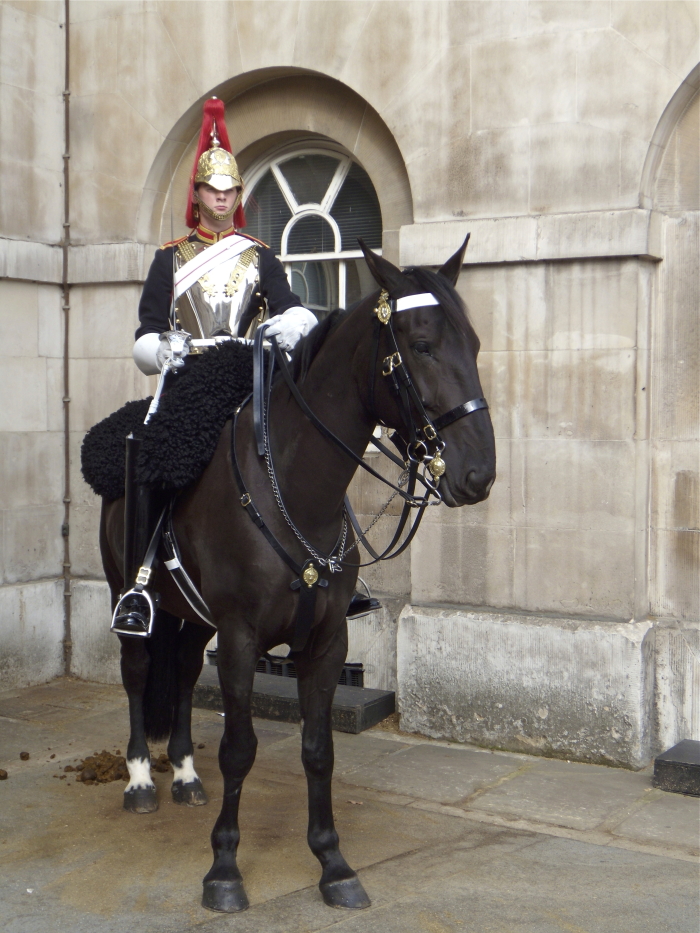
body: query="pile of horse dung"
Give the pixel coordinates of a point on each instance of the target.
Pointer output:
(103, 767)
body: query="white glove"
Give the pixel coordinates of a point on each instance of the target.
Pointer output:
(173, 347)
(291, 326)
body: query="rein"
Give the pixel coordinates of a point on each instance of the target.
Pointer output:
(422, 433)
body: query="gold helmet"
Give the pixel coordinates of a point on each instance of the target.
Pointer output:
(214, 165)
(217, 167)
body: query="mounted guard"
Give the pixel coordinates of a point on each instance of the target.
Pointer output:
(211, 286)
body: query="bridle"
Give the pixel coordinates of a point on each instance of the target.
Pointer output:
(423, 432)
(424, 446)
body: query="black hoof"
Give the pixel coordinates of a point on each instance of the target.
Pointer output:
(226, 896)
(191, 794)
(141, 800)
(347, 893)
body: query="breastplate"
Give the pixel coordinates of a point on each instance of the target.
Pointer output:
(215, 303)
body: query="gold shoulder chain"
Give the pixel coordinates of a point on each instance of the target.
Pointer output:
(186, 251)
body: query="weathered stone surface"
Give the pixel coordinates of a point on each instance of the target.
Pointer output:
(103, 321)
(545, 686)
(372, 641)
(31, 633)
(95, 653)
(677, 677)
(572, 235)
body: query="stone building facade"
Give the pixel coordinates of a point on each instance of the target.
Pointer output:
(559, 617)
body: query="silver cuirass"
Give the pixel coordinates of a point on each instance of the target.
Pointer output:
(213, 304)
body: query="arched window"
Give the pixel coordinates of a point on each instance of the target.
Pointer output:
(310, 206)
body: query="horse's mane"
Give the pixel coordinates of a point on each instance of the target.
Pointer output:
(429, 281)
(307, 348)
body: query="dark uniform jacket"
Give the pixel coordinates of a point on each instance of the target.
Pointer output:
(154, 307)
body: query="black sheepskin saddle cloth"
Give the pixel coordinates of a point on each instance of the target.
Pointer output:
(180, 439)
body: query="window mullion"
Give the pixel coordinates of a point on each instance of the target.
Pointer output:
(342, 283)
(335, 185)
(284, 188)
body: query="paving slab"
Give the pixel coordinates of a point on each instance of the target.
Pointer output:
(664, 818)
(73, 861)
(414, 772)
(563, 793)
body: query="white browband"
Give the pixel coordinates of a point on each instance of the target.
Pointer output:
(416, 301)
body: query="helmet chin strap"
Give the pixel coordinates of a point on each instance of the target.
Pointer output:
(215, 215)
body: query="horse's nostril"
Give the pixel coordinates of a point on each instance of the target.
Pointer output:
(479, 483)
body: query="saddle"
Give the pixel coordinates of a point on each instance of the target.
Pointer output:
(180, 439)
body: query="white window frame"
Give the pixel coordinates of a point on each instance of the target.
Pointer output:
(256, 172)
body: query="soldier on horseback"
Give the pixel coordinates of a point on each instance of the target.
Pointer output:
(214, 284)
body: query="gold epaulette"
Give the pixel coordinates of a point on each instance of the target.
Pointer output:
(175, 242)
(254, 239)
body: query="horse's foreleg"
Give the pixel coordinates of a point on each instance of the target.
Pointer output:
(140, 793)
(317, 680)
(223, 885)
(187, 788)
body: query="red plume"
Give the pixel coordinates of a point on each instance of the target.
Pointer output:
(214, 113)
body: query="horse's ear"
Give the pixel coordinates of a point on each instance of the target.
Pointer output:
(385, 272)
(453, 266)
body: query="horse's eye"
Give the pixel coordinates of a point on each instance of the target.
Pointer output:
(421, 347)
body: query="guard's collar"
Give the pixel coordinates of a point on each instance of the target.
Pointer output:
(208, 236)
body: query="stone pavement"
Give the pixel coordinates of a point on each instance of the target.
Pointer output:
(446, 838)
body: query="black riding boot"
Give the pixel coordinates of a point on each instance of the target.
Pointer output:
(142, 508)
(361, 605)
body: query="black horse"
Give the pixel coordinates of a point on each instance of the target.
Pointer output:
(247, 586)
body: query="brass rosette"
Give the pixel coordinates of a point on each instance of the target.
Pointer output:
(383, 309)
(437, 466)
(310, 575)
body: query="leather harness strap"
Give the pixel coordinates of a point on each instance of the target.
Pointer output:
(307, 579)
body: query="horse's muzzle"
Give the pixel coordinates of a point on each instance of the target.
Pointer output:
(475, 489)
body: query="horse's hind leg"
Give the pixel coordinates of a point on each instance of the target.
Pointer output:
(317, 680)
(223, 885)
(187, 788)
(140, 793)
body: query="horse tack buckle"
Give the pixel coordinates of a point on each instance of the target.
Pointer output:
(383, 309)
(390, 363)
(430, 432)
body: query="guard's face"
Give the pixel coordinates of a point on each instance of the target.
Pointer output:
(219, 201)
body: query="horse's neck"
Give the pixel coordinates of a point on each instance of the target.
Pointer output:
(331, 391)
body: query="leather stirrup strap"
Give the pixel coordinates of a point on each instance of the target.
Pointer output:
(258, 389)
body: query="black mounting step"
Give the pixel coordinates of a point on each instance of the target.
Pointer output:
(678, 769)
(354, 708)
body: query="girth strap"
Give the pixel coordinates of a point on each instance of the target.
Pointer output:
(179, 574)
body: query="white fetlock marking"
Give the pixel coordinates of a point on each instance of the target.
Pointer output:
(139, 774)
(185, 772)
